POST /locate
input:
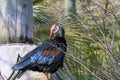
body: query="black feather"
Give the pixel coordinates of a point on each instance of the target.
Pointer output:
(43, 58)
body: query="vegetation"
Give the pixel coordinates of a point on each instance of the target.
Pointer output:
(93, 37)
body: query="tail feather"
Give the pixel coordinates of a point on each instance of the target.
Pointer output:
(21, 65)
(20, 73)
(14, 75)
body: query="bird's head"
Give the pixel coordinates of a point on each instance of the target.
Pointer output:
(54, 29)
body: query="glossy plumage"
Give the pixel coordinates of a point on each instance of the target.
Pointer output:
(48, 57)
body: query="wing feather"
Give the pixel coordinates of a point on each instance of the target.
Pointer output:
(46, 53)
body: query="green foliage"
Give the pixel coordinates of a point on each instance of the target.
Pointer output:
(37, 1)
(40, 17)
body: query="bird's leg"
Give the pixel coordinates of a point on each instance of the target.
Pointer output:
(47, 74)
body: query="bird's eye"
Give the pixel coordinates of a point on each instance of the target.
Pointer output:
(53, 30)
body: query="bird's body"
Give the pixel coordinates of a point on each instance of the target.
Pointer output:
(48, 57)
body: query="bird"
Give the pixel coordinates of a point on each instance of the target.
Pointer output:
(47, 57)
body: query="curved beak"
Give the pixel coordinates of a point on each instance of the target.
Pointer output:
(51, 35)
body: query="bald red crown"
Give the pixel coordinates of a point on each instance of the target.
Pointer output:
(53, 26)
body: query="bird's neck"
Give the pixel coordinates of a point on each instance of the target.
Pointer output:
(61, 40)
(60, 36)
(60, 33)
